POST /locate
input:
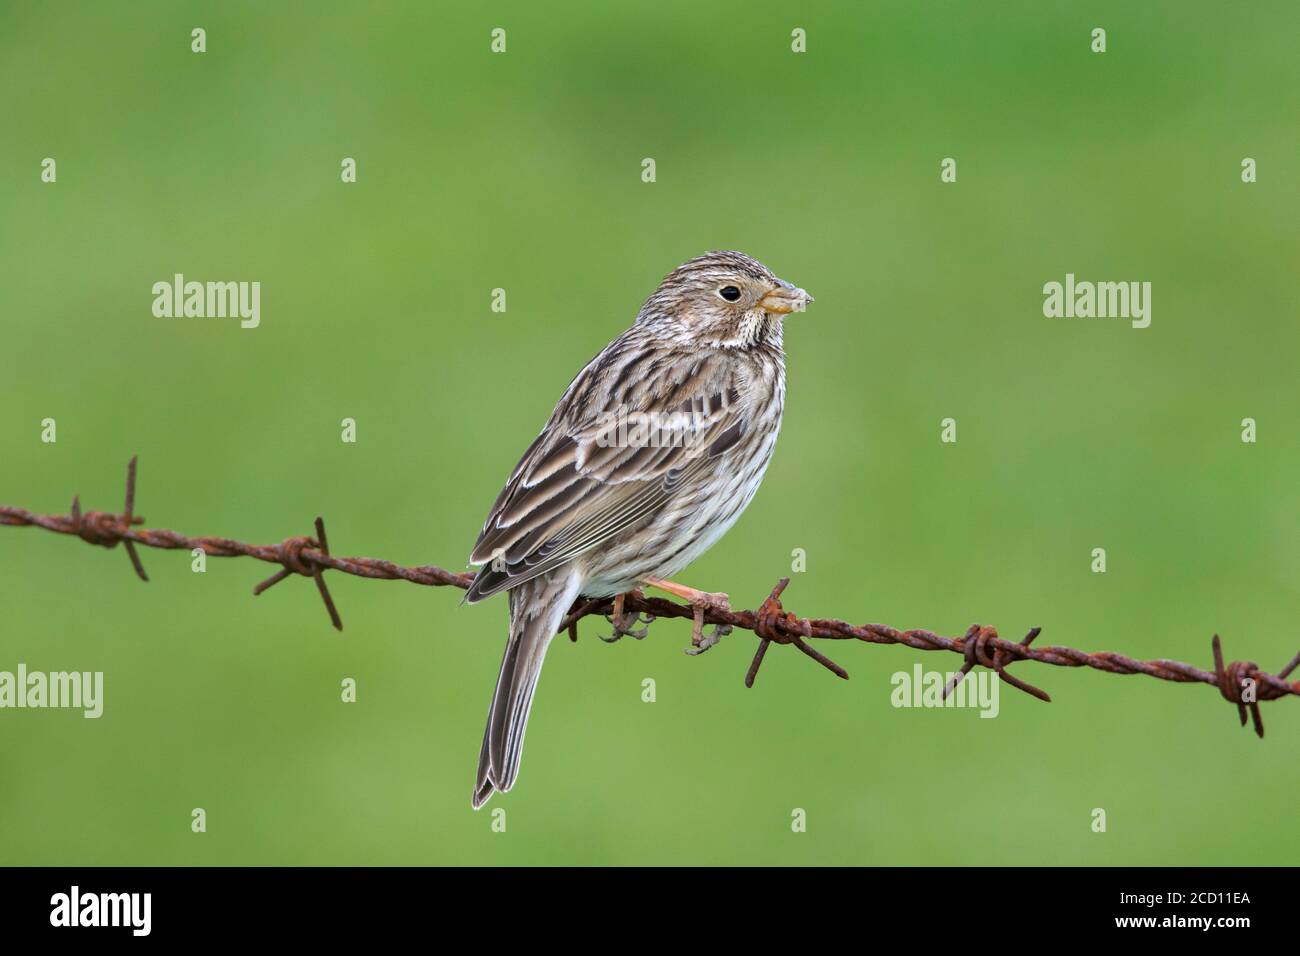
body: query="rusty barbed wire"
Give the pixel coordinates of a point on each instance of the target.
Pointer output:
(1241, 683)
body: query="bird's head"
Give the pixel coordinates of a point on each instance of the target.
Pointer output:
(723, 299)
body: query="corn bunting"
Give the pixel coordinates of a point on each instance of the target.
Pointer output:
(651, 454)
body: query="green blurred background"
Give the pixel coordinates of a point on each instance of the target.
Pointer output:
(522, 171)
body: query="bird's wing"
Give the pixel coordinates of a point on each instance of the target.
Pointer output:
(585, 479)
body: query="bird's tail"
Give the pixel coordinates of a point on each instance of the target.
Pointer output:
(537, 608)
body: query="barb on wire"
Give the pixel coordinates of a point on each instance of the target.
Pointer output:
(1241, 683)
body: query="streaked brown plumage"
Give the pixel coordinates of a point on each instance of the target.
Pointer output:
(651, 454)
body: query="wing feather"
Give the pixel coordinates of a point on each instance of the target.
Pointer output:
(583, 482)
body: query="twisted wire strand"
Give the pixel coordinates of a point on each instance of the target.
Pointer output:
(1242, 683)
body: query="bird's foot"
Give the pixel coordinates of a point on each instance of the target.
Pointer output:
(701, 642)
(626, 624)
(700, 602)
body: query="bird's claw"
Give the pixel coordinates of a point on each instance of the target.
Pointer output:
(708, 640)
(625, 625)
(708, 600)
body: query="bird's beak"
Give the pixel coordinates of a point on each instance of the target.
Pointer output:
(785, 298)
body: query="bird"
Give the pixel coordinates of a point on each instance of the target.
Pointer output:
(651, 454)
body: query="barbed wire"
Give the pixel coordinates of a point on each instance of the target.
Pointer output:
(1242, 683)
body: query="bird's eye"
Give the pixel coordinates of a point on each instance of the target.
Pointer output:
(729, 292)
